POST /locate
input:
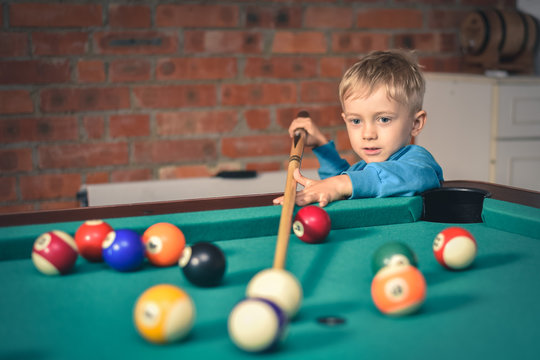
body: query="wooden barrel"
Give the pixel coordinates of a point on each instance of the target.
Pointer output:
(510, 32)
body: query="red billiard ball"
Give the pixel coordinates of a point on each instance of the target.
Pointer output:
(89, 238)
(312, 224)
(164, 244)
(54, 252)
(455, 248)
(398, 290)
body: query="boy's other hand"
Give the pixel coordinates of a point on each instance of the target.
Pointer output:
(314, 136)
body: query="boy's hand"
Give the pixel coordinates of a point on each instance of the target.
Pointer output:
(321, 191)
(314, 136)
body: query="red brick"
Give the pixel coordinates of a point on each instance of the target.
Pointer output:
(55, 100)
(13, 44)
(191, 68)
(129, 125)
(195, 15)
(15, 102)
(54, 15)
(94, 126)
(356, 42)
(15, 160)
(273, 17)
(257, 119)
(34, 72)
(129, 70)
(8, 189)
(260, 145)
(49, 186)
(319, 91)
(130, 16)
(38, 129)
(175, 150)
(342, 141)
(323, 116)
(131, 175)
(310, 42)
(281, 67)
(196, 122)
(223, 42)
(186, 171)
(173, 96)
(433, 42)
(258, 94)
(335, 67)
(445, 19)
(65, 43)
(83, 155)
(99, 177)
(328, 17)
(135, 42)
(453, 64)
(90, 71)
(1, 16)
(390, 19)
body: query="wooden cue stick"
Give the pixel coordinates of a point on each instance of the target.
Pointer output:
(284, 230)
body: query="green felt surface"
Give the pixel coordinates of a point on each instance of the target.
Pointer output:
(16, 241)
(489, 311)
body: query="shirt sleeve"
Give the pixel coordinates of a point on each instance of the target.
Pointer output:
(331, 164)
(411, 172)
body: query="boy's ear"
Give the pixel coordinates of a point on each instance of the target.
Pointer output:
(418, 122)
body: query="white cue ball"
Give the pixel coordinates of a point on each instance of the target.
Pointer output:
(257, 325)
(278, 286)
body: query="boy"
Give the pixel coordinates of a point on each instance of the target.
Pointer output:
(381, 97)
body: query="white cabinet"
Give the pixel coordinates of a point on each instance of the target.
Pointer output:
(484, 128)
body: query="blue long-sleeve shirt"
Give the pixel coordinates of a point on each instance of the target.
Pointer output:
(409, 171)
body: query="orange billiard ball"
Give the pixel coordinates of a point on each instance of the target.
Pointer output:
(398, 290)
(89, 239)
(164, 313)
(164, 244)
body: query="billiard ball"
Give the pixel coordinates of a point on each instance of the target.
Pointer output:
(123, 250)
(54, 252)
(164, 244)
(455, 248)
(257, 325)
(393, 254)
(164, 313)
(89, 239)
(398, 290)
(312, 224)
(278, 286)
(203, 264)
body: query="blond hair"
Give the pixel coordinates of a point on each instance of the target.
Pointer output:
(397, 70)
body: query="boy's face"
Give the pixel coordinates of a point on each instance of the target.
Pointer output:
(379, 126)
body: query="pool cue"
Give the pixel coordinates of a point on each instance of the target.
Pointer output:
(284, 230)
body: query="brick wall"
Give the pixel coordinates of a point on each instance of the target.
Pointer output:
(108, 91)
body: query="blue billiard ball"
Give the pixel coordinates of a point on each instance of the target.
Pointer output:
(123, 250)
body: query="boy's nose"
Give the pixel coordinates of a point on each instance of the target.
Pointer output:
(369, 133)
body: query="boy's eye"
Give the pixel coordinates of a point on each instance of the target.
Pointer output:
(355, 121)
(384, 120)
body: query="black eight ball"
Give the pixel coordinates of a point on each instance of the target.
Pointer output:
(203, 264)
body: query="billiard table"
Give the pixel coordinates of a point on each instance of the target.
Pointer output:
(489, 311)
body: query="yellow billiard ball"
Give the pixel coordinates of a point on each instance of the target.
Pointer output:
(164, 313)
